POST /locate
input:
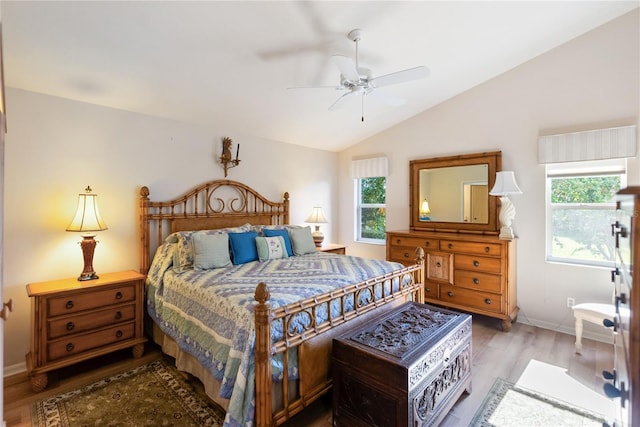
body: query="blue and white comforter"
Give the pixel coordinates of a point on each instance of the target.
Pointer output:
(209, 313)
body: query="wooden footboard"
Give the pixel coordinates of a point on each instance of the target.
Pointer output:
(367, 295)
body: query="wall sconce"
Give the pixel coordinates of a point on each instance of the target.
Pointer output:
(505, 185)
(225, 158)
(87, 220)
(317, 217)
(424, 211)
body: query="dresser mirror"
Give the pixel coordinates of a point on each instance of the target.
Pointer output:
(452, 193)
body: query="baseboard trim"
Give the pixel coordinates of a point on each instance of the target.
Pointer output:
(19, 370)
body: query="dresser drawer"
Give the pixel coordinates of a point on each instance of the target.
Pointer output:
(467, 297)
(83, 342)
(492, 249)
(431, 290)
(440, 266)
(87, 321)
(414, 242)
(403, 254)
(477, 280)
(71, 303)
(477, 263)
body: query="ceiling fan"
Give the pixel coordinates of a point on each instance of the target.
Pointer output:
(356, 80)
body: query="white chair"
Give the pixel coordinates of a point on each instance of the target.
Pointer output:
(591, 312)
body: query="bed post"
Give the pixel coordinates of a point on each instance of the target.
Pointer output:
(263, 416)
(420, 273)
(144, 230)
(285, 220)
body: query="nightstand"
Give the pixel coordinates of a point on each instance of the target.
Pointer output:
(76, 320)
(332, 248)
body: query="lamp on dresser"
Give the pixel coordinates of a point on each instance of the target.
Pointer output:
(317, 217)
(87, 221)
(506, 184)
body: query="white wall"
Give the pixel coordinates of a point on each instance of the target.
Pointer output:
(56, 147)
(590, 82)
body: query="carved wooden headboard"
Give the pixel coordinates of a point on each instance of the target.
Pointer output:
(215, 204)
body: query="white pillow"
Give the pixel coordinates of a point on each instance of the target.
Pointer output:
(271, 248)
(210, 250)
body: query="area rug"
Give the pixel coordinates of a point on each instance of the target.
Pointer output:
(508, 405)
(155, 394)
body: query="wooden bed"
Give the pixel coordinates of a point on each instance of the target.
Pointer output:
(224, 203)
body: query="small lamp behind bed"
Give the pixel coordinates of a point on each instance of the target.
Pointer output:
(87, 220)
(317, 217)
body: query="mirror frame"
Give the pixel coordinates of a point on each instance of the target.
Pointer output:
(494, 161)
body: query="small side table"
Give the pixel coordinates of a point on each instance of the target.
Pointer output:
(332, 248)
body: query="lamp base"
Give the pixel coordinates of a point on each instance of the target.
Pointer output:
(506, 233)
(318, 237)
(88, 246)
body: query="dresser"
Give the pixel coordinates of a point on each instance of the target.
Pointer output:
(76, 320)
(623, 381)
(404, 368)
(470, 272)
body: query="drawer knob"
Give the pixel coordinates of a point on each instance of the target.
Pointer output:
(118, 333)
(406, 254)
(450, 245)
(428, 289)
(427, 243)
(487, 249)
(69, 305)
(476, 263)
(487, 300)
(438, 264)
(118, 295)
(70, 326)
(397, 241)
(476, 280)
(118, 315)
(70, 347)
(450, 294)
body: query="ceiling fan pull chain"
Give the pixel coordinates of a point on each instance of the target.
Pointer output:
(362, 108)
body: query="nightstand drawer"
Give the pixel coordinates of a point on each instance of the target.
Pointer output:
(94, 320)
(83, 342)
(71, 303)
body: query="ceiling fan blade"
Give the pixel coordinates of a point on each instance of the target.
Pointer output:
(400, 76)
(347, 67)
(316, 87)
(340, 101)
(391, 100)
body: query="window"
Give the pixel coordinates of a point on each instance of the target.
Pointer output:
(579, 208)
(371, 211)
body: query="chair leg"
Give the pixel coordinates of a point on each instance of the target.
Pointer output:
(578, 335)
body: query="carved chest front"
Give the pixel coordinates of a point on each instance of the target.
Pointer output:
(405, 368)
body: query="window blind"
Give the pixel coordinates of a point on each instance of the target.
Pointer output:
(612, 143)
(370, 168)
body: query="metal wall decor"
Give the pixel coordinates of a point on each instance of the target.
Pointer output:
(226, 159)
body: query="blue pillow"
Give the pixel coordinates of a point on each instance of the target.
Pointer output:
(285, 235)
(243, 247)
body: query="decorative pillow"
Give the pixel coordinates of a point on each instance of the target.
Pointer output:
(268, 232)
(243, 247)
(183, 256)
(271, 248)
(210, 250)
(302, 241)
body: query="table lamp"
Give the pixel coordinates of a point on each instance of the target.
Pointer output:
(505, 185)
(317, 217)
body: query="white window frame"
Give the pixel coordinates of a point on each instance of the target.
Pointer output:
(595, 168)
(358, 214)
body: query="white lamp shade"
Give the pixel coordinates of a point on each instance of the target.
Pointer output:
(317, 216)
(424, 207)
(87, 216)
(505, 184)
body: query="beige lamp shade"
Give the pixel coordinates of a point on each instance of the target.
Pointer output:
(424, 207)
(317, 216)
(505, 184)
(87, 217)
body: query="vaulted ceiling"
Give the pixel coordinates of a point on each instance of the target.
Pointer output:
(228, 64)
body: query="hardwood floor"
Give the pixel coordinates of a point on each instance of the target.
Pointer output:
(526, 353)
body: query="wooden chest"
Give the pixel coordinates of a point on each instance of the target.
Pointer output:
(404, 368)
